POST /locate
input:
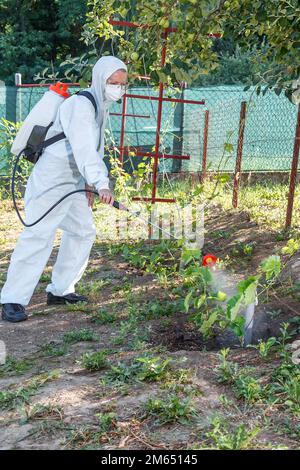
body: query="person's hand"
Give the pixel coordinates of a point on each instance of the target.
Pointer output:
(90, 196)
(106, 196)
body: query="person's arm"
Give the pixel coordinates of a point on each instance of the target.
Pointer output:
(82, 134)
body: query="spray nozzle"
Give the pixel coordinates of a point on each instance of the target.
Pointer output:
(209, 260)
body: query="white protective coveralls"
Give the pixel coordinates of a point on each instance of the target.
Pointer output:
(63, 167)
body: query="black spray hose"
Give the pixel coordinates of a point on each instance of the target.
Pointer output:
(115, 204)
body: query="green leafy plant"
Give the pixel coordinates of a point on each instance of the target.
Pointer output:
(223, 437)
(291, 247)
(152, 368)
(172, 409)
(53, 349)
(264, 347)
(106, 421)
(16, 366)
(102, 317)
(94, 361)
(75, 336)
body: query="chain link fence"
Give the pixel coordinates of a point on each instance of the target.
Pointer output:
(268, 137)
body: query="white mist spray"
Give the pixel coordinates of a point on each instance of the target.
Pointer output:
(226, 282)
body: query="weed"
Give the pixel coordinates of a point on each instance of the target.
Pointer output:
(248, 387)
(75, 336)
(148, 369)
(169, 410)
(9, 399)
(93, 287)
(264, 347)
(106, 421)
(227, 370)
(15, 366)
(157, 309)
(94, 360)
(78, 307)
(102, 317)
(41, 411)
(223, 438)
(52, 349)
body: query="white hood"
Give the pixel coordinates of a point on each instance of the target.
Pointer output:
(102, 70)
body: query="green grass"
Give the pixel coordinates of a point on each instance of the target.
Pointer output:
(15, 366)
(76, 336)
(20, 395)
(52, 350)
(40, 411)
(265, 201)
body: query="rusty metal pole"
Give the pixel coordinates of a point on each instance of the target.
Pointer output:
(159, 118)
(205, 141)
(237, 173)
(293, 175)
(158, 127)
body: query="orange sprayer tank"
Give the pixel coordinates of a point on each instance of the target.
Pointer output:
(42, 114)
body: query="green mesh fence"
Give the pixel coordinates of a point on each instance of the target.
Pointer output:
(269, 126)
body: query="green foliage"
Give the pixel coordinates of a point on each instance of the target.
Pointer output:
(94, 361)
(209, 312)
(148, 369)
(152, 368)
(283, 386)
(16, 366)
(10, 399)
(8, 131)
(239, 65)
(102, 317)
(192, 53)
(16, 396)
(158, 308)
(106, 421)
(37, 34)
(75, 336)
(291, 247)
(223, 437)
(171, 409)
(155, 258)
(264, 347)
(51, 349)
(271, 267)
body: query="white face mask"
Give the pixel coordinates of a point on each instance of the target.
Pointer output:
(114, 92)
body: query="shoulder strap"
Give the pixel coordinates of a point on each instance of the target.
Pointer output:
(89, 96)
(53, 139)
(61, 135)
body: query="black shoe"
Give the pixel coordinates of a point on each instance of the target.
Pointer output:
(66, 299)
(13, 313)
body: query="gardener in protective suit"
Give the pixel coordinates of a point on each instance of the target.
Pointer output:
(69, 164)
